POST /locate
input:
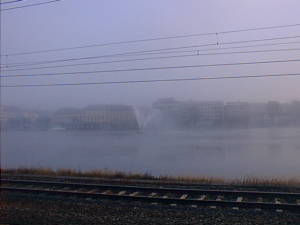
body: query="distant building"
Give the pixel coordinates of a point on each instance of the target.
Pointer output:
(191, 114)
(258, 114)
(166, 104)
(236, 114)
(211, 112)
(294, 112)
(12, 117)
(97, 117)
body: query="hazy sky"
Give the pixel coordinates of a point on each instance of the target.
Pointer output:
(70, 23)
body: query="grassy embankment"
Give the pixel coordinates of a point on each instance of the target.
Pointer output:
(147, 176)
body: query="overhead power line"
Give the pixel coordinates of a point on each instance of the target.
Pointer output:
(195, 53)
(165, 52)
(155, 53)
(130, 53)
(152, 81)
(30, 5)
(13, 1)
(151, 68)
(105, 62)
(151, 39)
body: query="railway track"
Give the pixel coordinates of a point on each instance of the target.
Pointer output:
(279, 201)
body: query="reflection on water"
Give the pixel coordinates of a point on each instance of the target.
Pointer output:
(223, 152)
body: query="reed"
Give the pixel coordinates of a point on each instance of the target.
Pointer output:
(111, 174)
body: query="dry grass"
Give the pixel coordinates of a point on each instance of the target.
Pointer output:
(252, 181)
(78, 173)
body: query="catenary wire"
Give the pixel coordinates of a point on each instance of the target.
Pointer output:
(152, 81)
(181, 51)
(151, 68)
(13, 1)
(145, 51)
(196, 53)
(184, 51)
(30, 5)
(154, 39)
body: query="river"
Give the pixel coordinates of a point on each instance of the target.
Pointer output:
(229, 153)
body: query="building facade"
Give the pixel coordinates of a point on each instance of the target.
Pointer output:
(97, 117)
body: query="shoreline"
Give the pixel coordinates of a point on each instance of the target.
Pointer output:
(149, 178)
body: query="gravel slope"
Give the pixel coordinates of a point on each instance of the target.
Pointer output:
(21, 209)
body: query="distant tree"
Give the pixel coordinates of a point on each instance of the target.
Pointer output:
(295, 111)
(43, 123)
(273, 109)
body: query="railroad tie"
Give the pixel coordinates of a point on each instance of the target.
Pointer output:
(62, 190)
(259, 200)
(171, 196)
(202, 197)
(277, 201)
(239, 199)
(153, 194)
(78, 190)
(122, 193)
(134, 194)
(107, 192)
(93, 191)
(66, 188)
(165, 196)
(184, 196)
(220, 198)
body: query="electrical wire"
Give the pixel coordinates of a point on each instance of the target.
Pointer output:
(170, 52)
(30, 5)
(144, 51)
(152, 81)
(154, 39)
(150, 68)
(196, 53)
(13, 1)
(180, 51)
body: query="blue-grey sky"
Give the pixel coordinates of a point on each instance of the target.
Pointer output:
(70, 23)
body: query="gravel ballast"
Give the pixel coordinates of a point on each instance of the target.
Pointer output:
(19, 209)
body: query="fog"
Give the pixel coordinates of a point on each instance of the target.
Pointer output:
(67, 24)
(163, 143)
(170, 137)
(233, 153)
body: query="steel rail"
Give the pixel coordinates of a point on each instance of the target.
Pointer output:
(156, 189)
(222, 203)
(137, 181)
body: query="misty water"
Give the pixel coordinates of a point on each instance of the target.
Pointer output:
(264, 152)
